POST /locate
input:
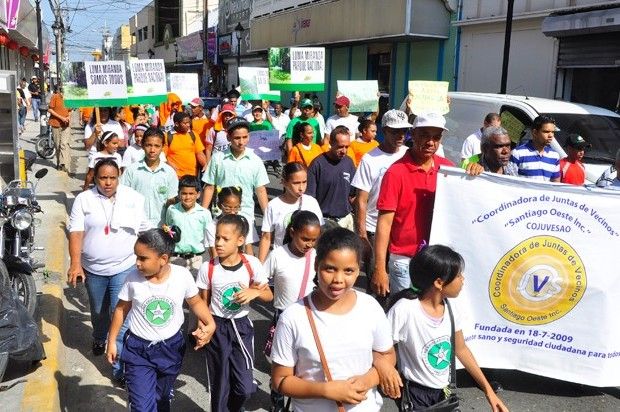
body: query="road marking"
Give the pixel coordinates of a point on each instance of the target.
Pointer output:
(41, 391)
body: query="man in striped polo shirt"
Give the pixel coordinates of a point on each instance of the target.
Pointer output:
(535, 159)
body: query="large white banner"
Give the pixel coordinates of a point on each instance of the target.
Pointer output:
(542, 283)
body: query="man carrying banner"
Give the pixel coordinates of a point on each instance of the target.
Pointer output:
(495, 156)
(341, 118)
(61, 132)
(471, 145)
(535, 159)
(406, 202)
(279, 120)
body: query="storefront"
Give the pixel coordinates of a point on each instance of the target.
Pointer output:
(410, 40)
(234, 41)
(588, 62)
(18, 46)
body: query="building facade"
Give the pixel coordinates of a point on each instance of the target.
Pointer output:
(393, 41)
(563, 49)
(121, 44)
(19, 45)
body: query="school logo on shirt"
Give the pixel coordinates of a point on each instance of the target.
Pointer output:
(437, 354)
(227, 298)
(538, 281)
(158, 311)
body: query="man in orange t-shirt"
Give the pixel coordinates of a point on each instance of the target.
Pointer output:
(201, 124)
(184, 150)
(59, 121)
(572, 171)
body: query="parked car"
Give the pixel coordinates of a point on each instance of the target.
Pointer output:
(599, 127)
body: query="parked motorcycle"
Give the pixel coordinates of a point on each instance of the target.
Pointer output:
(18, 205)
(45, 146)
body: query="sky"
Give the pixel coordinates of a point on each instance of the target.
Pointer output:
(88, 22)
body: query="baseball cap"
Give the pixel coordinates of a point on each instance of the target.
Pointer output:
(33, 77)
(342, 101)
(395, 119)
(196, 101)
(237, 122)
(257, 108)
(306, 103)
(430, 120)
(576, 141)
(228, 108)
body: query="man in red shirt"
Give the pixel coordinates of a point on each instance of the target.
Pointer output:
(406, 202)
(572, 171)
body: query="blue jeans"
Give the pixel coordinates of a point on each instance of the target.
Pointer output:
(398, 268)
(21, 116)
(35, 108)
(103, 297)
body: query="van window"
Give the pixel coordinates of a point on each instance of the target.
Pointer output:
(602, 132)
(515, 121)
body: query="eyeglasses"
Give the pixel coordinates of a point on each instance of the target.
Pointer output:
(230, 209)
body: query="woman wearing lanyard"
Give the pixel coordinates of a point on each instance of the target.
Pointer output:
(104, 226)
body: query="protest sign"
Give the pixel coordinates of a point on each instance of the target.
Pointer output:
(363, 94)
(254, 84)
(94, 83)
(428, 97)
(297, 69)
(541, 289)
(184, 85)
(148, 82)
(266, 144)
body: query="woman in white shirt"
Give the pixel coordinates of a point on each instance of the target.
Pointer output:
(103, 227)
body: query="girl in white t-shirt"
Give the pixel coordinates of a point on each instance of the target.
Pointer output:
(290, 268)
(229, 283)
(107, 147)
(229, 202)
(351, 327)
(278, 213)
(152, 300)
(421, 328)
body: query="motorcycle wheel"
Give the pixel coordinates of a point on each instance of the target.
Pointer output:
(24, 285)
(44, 149)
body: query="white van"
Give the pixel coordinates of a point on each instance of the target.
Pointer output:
(599, 127)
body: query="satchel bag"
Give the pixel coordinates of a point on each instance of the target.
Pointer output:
(326, 371)
(451, 403)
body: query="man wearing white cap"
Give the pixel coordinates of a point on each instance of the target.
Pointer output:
(406, 202)
(369, 176)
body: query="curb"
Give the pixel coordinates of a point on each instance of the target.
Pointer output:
(41, 391)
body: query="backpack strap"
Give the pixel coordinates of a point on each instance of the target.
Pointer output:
(210, 272)
(192, 135)
(245, 263)
(169, 137)
(248, 267)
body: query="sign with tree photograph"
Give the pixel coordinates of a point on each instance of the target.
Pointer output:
(297, 69)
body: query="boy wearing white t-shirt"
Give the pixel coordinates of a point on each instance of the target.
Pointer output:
(229, 283)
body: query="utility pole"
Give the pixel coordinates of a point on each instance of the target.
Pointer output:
(205, 49)
(59, 30)
(509, 13)
(41, 72)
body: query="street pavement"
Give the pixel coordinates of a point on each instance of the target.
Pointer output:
(72, 379)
